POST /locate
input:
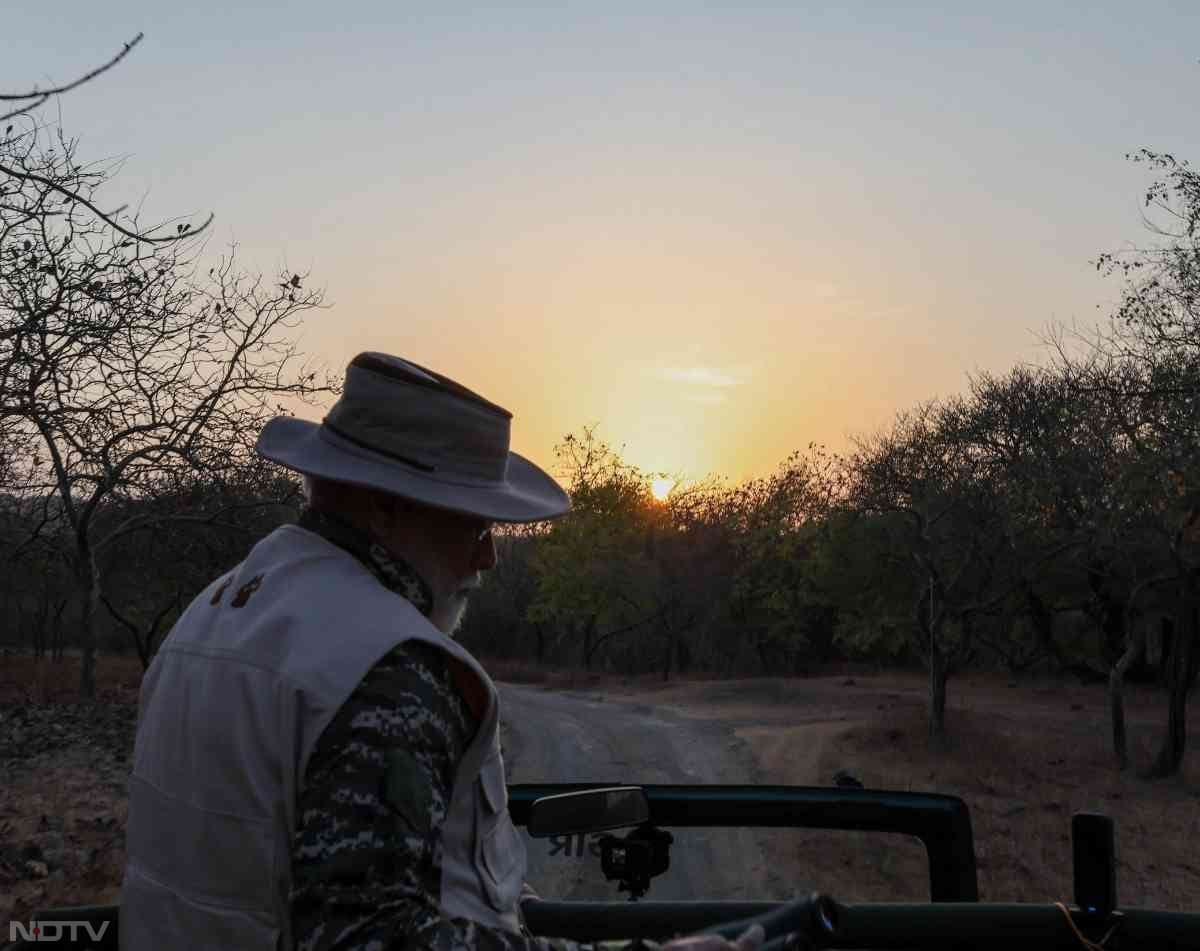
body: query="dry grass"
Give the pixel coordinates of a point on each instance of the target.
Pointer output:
(1024, 767)
(26, 680)
(1023, 758)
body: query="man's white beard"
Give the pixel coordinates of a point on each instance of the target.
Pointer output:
(448, 590)
(447, 612)
(450, 606)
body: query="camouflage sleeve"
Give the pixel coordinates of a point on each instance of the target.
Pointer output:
(363, 878)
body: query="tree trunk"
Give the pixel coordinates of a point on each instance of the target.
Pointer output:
(58, 636)
(589, 635)
(144, 644)
(1180, 676)
(683, 656)
(1109, 612)
(85, 575)
(1116, 686)
(763, 654)
(41, 626)
(668, 653)
(1166, 649)
(937, 700)
(541, 643)
(1042, 620)
(1113, 629)
(57, 632)
(930, 624)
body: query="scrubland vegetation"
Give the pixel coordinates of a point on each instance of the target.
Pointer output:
(1044, 520)
(1044, 523)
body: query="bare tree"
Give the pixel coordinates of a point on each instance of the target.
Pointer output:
(117, 365)
(1159, 313)
(1148, 359)
(28, 103)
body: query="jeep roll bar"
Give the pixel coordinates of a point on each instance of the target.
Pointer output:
(942, 823)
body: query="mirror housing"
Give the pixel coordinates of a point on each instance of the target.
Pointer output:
(590, 810)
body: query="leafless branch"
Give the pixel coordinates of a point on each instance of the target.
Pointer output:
(42, 95)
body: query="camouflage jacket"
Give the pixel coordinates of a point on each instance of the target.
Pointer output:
(366, 869)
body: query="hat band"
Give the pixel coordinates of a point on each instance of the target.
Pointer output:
(424, 467)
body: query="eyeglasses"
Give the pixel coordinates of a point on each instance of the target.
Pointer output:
(477, 529)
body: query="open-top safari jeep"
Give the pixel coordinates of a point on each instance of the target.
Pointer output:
(953, 918)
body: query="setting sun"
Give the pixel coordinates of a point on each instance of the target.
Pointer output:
(661, 488)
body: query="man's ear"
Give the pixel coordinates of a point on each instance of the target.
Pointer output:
(381, 512)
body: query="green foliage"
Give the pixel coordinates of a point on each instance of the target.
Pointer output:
(592, 567)
(1029, 522)
(856, 568)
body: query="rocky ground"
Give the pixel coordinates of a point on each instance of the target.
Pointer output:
(62, 803)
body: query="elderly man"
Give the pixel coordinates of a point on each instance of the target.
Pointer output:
(317, 762)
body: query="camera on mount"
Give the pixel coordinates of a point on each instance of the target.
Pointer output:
(633, 859)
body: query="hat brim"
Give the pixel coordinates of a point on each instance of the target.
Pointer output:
(527, 494)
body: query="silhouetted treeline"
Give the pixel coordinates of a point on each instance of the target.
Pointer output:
(1048, 519)
(162, 551)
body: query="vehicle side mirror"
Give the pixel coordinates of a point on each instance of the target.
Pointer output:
(589, 810)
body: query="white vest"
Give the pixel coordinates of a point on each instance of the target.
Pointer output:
(230, 711)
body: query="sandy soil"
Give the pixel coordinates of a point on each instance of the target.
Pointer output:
(1024, 757)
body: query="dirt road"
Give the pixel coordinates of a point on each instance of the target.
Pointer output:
(581, 737)
(1024, 756)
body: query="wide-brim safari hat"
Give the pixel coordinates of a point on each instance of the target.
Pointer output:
(409, 431)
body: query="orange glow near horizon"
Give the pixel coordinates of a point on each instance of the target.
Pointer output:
(757, 230)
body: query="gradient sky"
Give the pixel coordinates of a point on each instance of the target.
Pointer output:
(716, 232)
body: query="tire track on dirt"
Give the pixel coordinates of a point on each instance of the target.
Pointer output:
(570, 737)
